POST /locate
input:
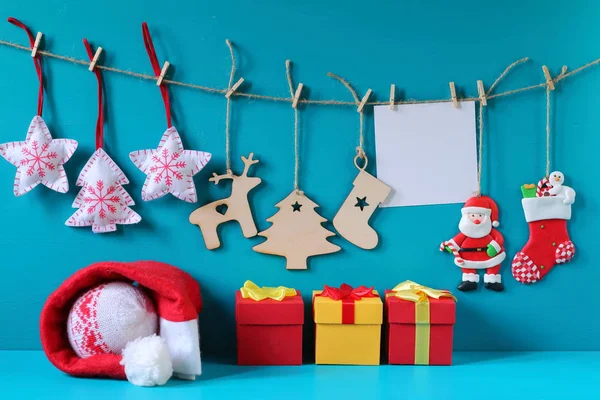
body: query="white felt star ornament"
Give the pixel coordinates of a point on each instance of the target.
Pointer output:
(170, 168)
(39, 159)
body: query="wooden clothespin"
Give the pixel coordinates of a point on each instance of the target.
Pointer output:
(549, 80)
(163, 72)
(453, 94)
(392, 96)
(234, 87)
(95, 59)
(481, 91)
(36, 44)
(297, 95)
(364, 101)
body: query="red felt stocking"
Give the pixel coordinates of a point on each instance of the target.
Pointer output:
(549, 243)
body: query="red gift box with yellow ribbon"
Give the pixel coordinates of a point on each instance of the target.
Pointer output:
(269, 325)
(420, 324)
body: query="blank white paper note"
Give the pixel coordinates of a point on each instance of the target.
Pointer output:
(427, 153)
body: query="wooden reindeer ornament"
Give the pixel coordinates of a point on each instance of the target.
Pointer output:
(208, 217)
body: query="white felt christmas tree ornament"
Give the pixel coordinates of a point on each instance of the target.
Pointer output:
(169, 168)
(40, 158)
(102, 202)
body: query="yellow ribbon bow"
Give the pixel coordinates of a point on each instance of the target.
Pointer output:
(257, 293)
(412, 291)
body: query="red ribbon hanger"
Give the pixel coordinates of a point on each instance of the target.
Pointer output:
(348, 295)
(100, 120)
(156, 67)
(37, 61)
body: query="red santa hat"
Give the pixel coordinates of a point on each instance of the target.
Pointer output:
(482, 205)
(176, 296)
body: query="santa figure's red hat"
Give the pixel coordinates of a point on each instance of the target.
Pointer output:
(177, 299)
(482, 205)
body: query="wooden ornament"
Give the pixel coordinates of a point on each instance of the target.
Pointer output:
(352, 219)
(209, 217)
(296, 232)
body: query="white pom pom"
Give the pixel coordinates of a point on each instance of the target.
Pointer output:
(147, 361)
(495, 224)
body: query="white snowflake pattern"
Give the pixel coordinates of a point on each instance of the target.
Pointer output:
(166, 167)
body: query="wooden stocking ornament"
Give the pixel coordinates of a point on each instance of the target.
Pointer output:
(296, 233)
(208, 217)
(352, 219)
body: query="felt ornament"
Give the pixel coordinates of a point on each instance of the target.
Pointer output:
(104, 322)
(40, 158)
(352, 219)
(479, 245)
(547, 208)
(169, 168)
(236, 207)
(102, 201)
(296, 232)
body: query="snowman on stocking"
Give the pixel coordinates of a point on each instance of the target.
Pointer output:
(478, 245)
(547, 208)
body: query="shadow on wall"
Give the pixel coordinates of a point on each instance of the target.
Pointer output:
(217, 327)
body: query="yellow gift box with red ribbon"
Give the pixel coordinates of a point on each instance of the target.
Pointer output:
(348, 325)
(420, 322)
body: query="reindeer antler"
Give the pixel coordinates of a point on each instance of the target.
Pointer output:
(248, 162)
(216, 178)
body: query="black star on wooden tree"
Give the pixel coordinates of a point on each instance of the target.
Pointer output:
(362, 203)
(296, 207)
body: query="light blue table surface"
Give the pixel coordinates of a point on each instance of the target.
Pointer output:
(475, 375)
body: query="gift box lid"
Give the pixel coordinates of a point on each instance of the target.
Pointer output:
(367, 310)
(442, 311)
(289, 311)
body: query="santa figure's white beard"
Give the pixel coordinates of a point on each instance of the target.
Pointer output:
(470, 229)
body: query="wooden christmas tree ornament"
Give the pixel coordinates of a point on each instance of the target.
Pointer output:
(296, 233)
(209, 217)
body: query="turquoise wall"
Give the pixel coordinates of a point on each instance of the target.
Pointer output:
(419, 46)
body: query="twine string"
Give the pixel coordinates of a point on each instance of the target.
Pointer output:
(288, 71)
(208, 89)
(228, 110)
(560, 77)
(480, 150)
(480, 121)
(360, 152)
(37, 62)
(100, 120)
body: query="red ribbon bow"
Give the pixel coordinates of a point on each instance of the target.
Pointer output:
(348, 295)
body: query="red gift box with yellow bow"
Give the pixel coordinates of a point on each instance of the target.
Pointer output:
(269, 325)
(420, 324)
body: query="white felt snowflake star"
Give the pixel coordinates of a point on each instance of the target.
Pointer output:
(39, 159)
(170, 168)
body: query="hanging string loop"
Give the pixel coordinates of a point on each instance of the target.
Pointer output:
(228, 111)
(157, 70)
(100, 120)
(37, 61)
(360, 151)
(288, 71)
